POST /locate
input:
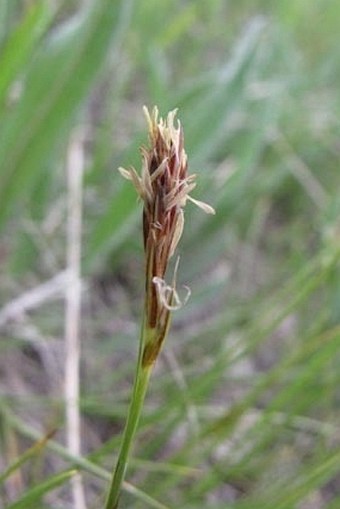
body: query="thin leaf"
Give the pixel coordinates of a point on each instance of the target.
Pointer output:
(18, 48)
(34, 495)
(55, 88)
(27, 455)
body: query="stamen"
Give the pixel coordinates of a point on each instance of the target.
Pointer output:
(202, 205)
(136, 180)
(167, 295)
(178, 196)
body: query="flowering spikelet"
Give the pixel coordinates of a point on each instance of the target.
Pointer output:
(164, 187)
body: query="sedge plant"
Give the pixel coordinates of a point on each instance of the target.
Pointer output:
(163, 186)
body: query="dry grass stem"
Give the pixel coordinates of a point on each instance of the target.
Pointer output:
(72, 310)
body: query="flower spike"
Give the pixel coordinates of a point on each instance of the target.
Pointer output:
(164, 186)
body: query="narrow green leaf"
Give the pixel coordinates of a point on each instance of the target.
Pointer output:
(55, 88)
(82, 463)
(18, 48)
(28, 454)
(205, 130)
(33, 495)
(308, 481)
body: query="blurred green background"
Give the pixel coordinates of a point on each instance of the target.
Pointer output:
(244, 405)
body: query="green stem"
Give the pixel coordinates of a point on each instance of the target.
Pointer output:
(141, 382)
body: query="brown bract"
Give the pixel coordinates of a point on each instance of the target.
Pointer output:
(164, 186)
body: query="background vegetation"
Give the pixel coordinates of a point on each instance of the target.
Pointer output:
(243, 410)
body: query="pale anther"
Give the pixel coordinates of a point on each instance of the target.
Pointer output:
(168, 296)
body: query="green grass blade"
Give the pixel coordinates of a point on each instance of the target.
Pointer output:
(55, 89)
(18, 48)
(27, 455)
(34, 495)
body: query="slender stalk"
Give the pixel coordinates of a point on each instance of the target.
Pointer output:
(141, 382)
(72, 308)
(164, 187)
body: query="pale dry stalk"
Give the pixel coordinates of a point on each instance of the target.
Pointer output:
(75, 166)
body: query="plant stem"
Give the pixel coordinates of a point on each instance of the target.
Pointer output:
(141, 382)
(72, 308)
